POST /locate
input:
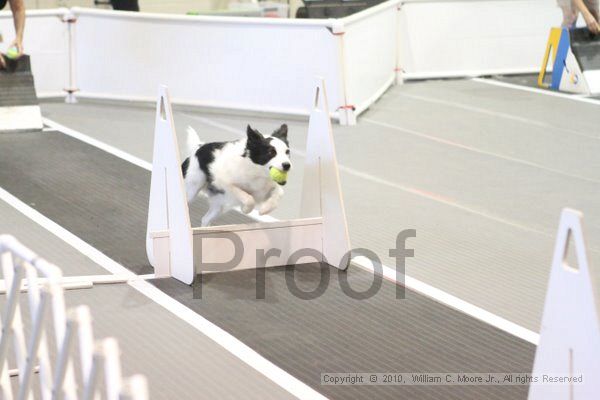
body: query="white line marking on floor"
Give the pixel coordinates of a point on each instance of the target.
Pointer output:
(222, 337)
(451, 301)
(96, 143)
(478, 151)
(498, 114)
(389, 273)
(536, 90)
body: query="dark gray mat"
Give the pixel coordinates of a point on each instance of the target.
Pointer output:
(103, 200)
(96, 196)
(336, 333)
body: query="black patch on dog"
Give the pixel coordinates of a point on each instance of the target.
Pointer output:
(281, 134)
(206, 155)
(214, 190)
(184, 166)
(258, 148)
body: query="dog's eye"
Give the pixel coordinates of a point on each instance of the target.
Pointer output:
(287, 152)
(272, 152)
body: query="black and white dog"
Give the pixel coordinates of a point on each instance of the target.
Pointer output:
(236, 173)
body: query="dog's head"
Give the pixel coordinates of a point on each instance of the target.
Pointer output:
(270, 151)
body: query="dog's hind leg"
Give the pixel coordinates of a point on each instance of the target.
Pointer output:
(214, 210)
(194, 178)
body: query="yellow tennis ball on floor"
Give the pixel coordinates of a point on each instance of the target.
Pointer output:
(278, 176)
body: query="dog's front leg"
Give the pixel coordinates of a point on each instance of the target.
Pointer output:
(244, 197)
(272, 202)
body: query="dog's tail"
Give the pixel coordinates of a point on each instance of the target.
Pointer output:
(192, 142)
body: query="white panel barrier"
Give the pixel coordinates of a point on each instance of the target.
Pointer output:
(470, 38)
(46, 40)
(49, 317)
(370, 46)
(175, 249)
(267, 65)
(570, 335)
(256, 64)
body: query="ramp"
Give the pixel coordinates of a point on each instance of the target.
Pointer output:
(19, 107)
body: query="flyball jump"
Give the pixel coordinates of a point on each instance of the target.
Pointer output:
(569, 343)
(575, 61)
(19, 106)
(175, 249)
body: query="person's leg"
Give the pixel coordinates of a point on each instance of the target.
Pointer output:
(592, 6)
(569, 12)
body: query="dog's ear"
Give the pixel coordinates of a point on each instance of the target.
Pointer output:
(281, 133)
(253, 134)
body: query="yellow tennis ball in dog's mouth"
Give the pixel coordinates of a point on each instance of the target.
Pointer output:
(278, 176)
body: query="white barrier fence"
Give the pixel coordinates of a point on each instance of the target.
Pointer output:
(253, 64)
(370, 46)
(267, 65)
(473, 38)
(51, 322)
(256, 64)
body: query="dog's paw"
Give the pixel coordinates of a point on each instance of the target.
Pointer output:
(248, 206)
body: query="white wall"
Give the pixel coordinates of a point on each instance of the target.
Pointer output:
(268, 65)
(238, 63)
(462, 38)
(370, 53)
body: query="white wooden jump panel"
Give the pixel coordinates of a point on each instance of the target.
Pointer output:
(174, 249)
(570, 335)
(214, 247)
(168, 209)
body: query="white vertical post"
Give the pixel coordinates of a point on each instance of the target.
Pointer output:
(321, 189)
(70, 19)
(136, 388)
(89, 390)
(17, 323)
(32, 347)
(570, 334)
(399, 72)
(34, 295)
(112, 368)
(168, 209)
(13, 287)
(59, 313)
(8, 316)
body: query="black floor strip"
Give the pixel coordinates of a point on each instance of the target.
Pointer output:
(103, 200)
(96, 196)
